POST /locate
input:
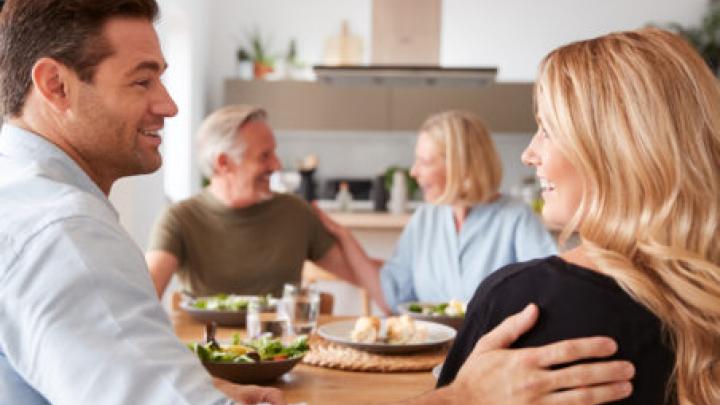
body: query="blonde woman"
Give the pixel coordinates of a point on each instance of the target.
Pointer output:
(628, 151)
(466, 230)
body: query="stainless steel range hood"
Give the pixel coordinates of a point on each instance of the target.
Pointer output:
(405, 75)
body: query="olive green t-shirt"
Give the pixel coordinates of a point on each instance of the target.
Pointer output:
(252, 250)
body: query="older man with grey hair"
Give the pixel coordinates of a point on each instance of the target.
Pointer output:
(236, 236)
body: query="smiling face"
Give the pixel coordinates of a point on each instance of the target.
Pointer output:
(429, 168)
(117, 117)
(249, 175)
(561, 183)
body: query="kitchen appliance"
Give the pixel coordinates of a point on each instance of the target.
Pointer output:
(405, 75)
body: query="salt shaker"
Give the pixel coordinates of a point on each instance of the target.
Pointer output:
(344, 198)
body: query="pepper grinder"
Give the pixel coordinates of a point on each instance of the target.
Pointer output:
(379, 194)
(307, 185)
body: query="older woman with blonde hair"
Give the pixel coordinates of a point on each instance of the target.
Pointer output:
(628, 152)
(467, 230)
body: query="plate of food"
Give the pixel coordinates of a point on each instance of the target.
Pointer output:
(451, 313)
(224, 309)
(393, 335)
(254, 362)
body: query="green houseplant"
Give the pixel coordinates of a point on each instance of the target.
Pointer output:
(263, 62)
(705, 37)
(256, 51)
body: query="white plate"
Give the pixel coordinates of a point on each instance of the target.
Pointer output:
(452, 321)
(339, 332)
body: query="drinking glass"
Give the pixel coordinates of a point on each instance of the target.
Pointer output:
(302, 306)
(266, 320)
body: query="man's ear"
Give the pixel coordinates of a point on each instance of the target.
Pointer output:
(222, 161)
(50, 81)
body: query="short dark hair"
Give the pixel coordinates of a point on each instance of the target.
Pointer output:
(69, 31)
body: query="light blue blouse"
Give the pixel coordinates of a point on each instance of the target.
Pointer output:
(433, 262)
(80, 322)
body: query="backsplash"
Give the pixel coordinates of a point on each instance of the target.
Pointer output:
(356, 154)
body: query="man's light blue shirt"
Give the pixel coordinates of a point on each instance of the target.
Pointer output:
(433, 262)
(80, 319)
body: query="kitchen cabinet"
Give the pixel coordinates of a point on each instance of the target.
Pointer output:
(298, 105)
(314, 106)
(503, 107)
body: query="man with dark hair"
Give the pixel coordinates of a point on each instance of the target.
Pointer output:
(83, 106)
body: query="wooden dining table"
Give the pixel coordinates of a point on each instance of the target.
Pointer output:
(319, 385)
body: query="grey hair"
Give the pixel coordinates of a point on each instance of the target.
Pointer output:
(219, 133)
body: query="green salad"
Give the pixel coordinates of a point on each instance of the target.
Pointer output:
(263, 349)
(225, 302)
(451, 308)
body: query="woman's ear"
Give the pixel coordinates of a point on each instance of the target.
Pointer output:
(50, 81)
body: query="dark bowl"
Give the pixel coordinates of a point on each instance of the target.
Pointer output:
(451, 321)
(221, 317)
(251, 373)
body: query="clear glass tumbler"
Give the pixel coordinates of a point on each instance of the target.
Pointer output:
(301, 306)
(266, 320)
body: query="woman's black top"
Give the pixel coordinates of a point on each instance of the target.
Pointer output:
(574, 302)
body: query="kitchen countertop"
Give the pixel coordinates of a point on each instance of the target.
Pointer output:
(371, 219)
(361, 215)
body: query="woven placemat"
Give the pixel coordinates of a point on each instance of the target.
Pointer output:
(331, 355)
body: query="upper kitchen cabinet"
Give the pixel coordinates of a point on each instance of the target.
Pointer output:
(313, 106)
(504, 107)
(298, 105)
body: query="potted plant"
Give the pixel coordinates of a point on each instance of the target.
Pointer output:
(294, 68)
(706, 37)
(245, 64)
(262, 61)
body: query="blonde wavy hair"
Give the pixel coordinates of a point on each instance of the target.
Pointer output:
(638, 115)
(472, 166)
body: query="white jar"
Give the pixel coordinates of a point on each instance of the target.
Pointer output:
(398, 193)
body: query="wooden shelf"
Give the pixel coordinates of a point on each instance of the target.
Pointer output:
(298, 105)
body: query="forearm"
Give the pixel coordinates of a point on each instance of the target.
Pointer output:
(366, 270)
(161, 266)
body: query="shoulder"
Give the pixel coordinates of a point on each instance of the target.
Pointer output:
(427, 215)
(76, 227)
(573, 299)
(188, 205)
(548, 275)
(507, 207)
(526, 273)
(290, 205)
(290, 200)
(41, 202)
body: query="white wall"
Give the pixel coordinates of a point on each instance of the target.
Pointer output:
(514, 35)
(310, 22)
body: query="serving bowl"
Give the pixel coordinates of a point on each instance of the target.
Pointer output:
(224, 317)
(251, 373)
